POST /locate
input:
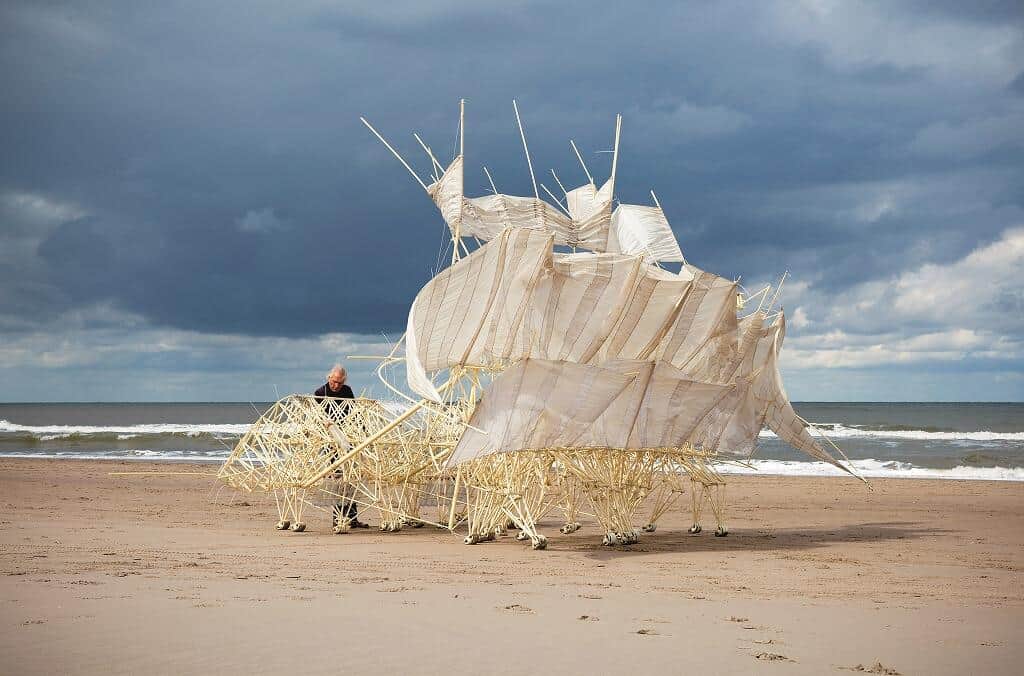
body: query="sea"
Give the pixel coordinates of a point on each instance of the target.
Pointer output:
(983, 441)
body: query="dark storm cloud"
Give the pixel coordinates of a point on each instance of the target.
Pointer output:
(214, 175)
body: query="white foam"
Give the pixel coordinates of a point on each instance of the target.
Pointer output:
(131, 454)
(877, 469)
(835, 431)
(50, 432)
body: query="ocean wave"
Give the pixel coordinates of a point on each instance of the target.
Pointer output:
(875, 469)
(838, 431)
(121, 432)
(125, 454)
(124, 432)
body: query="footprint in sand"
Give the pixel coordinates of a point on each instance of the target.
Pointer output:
(876, 668)
(772, 657)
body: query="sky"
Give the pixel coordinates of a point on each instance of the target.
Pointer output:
(190, 209)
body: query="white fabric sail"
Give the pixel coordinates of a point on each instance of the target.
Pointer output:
(656, 299)
(588, 200)
(539, 404)
(576, 304)
(447, 193)
(732, 429)
(780, 416)
(515, 298)
(470, 312)
(759, 399)
(709, 304)
(591, 223)
(644, 231)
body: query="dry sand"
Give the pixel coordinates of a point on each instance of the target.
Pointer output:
(173, 574)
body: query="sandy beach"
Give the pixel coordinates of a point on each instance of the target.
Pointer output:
(135, 573)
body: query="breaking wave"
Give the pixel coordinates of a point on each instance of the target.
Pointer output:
(125, 432)
(118, 432)
(876, 469)
(837, 431)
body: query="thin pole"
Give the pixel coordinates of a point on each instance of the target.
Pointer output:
(526, 150)
(656, 202)
(582, 163)
(778, 289)
(559, 183)
(491, 180)
(557, 201)
(462, 126)
(615, 154)
(429, 152)
(455, 497)
(394, 152)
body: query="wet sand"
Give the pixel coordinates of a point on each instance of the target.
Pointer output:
(176, 574)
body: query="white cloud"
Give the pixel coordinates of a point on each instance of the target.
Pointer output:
(26, 219)
(101, 353)
(972, 308)
(259, 221)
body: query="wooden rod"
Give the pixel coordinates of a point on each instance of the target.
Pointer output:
(455, 497)
(526, 150)
(430, 154)
(366, 442)
(491, 180)
(557, 201)
(395, 153)
(559, 183)
(778, 289)
(615, 153)
(582, 163)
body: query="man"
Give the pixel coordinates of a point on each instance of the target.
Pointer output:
(336, 388)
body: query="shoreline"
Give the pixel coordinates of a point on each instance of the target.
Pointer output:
(106, 573)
